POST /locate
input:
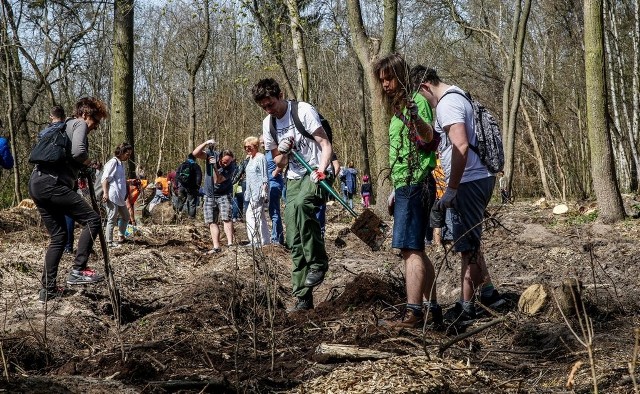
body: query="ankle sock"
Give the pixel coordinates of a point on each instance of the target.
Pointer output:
(487, 290)
(415, 308)
(430, 305)
(468, 306)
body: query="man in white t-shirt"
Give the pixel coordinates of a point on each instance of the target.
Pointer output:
(469, 188)
(304, 194)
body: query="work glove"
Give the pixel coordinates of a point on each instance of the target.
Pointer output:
(317, 176)
(263, 193)
(391, 202)
(447, 199)
(210, 142)
(413, 110)
(285, 145)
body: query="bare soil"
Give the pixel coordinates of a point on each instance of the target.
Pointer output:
(198, 323)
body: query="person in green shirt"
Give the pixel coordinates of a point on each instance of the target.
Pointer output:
(411, 163)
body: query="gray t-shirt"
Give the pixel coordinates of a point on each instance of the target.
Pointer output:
(454, 108)
(309, 149)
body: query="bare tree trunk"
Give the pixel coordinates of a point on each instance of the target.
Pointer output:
(537, 153)
(621, 117)
(602, 167)
(192, 69)
(298, 48)
(122, 95)
(369, 50)
(162, 136)
(11, 61)
(366, 167)
(517, 90)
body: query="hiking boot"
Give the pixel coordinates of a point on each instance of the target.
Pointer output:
(493, 301)
(303, 304)
(434, 317)
(457, 315)
(407, 318)
(47, 295)
(85, 276)
(314, 278)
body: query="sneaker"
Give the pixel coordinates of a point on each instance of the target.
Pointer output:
(213, 251)
(407, 318)
(113, 245)
(458, 315)
(84, 276)
(493, 301)
(47, 295)
(314, 278)
(303, 304)
(68, 251)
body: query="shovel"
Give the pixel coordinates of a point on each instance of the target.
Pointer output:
(367, 226)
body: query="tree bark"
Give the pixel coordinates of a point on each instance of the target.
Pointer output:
(517, 90)
(602, 166)
(298, 49)
(369, 50)
(537, 153)
(192, 69)
(122, 94)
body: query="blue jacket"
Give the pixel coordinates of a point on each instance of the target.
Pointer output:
(6, 159)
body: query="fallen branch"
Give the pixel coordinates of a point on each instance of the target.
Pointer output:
(467, 334)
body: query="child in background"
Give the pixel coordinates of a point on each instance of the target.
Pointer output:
(365, 191)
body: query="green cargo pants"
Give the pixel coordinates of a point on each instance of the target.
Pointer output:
(303, 231)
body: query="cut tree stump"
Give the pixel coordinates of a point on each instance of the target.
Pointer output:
(326, 352)
(539, 298)
(534, 299)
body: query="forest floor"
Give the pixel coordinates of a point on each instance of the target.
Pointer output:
(198, 323)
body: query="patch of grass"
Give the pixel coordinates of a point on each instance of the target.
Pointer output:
(583, 219)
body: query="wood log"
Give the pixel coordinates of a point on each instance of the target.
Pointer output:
(327, 352)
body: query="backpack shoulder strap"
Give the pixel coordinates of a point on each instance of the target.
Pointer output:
(297, 122)
(272, 129)
(466, 95)
(455, 91)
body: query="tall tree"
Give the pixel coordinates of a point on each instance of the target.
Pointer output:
(511, 107)
(369, 50)
(298, 49)
(122, 94)
(602, 167)
(192, 70)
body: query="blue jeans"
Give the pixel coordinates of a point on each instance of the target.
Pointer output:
(277, 234)
(186, 200)
(237, 206)
(55, 201)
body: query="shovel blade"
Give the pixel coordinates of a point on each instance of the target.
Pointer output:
(370, 229)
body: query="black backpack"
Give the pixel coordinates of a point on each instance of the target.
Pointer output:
(296, 121)
(53, 147)
(186, 175)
